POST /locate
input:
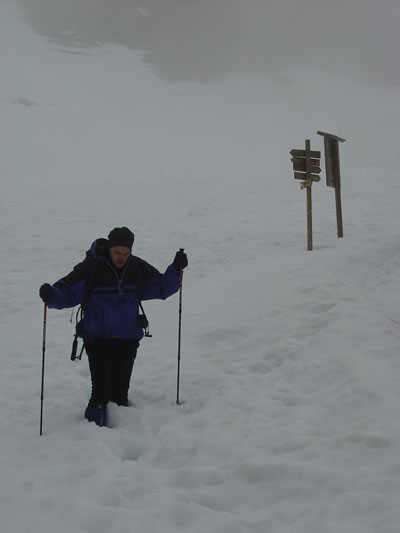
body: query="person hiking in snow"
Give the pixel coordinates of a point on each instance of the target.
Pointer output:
(109, 285)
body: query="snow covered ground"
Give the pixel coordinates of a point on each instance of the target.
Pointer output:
(290, 373)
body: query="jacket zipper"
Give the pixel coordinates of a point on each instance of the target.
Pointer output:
(119, 280)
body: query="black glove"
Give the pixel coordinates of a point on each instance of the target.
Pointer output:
(45, 292)
(181, 260)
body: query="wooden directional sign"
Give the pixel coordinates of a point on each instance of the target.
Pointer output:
(306, 165)
(302, 153)
(302, 176)
(299, 163)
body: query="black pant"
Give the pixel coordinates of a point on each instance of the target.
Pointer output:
(111, 363)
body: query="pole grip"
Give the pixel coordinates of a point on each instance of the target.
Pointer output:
(181, 250)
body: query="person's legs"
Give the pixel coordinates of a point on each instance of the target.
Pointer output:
(121, 359)
(96, 411)
(98, 364)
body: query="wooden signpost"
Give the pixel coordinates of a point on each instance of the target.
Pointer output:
(306, 166)
(332, 169)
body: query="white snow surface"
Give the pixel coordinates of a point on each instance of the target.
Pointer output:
(290, 369)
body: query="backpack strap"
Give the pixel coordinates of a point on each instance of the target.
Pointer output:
(79, 312)
(144, 322)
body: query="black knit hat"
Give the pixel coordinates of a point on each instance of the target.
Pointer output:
(121, 237)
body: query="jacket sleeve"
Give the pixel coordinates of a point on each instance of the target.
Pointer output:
(161, 286)
(70, 290)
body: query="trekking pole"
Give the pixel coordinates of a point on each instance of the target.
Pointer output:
(179, 337)
(43, 356)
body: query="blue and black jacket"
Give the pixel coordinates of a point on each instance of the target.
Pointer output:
(109, 296)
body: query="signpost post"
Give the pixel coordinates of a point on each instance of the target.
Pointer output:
(332, 169)
(306, 166)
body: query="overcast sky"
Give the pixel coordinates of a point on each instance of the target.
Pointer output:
(208, 40)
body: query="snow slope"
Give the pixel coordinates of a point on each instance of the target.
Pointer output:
(290, 359)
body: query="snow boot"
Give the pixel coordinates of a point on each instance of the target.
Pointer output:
(97, 414)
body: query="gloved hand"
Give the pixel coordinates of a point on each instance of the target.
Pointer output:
(181, 260)
(45, 292)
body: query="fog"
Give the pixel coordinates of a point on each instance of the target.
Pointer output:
(209, 40)
(176, 119)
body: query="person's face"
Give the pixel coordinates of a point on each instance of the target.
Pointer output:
(119, 255)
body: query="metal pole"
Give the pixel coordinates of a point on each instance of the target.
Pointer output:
(338, 185)
(309, 196)
(179, 337)
(43, 358)
(339, 217)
